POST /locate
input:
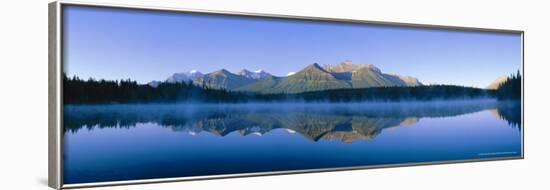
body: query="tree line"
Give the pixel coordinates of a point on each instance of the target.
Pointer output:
(510, 88)
(79, 91)
(91, 91)
(416, 93)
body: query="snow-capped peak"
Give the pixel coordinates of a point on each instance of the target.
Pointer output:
(290, 73)
(258, 74)
(184, 77)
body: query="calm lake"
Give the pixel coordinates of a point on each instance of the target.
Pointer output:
(130, 142)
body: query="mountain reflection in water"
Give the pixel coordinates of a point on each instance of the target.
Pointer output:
(331, 121)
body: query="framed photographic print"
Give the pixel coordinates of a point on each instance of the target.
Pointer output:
(147, 94)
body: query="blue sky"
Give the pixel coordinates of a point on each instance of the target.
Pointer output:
(143, 45)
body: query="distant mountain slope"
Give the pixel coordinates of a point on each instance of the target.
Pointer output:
(184, 77)
(368, 75)
(311, 78)
(261, 85)
(348, 66)
(223, 79)
(154, 83)
(256, 75)
(403, 80)
(410, 81)
(497, 82)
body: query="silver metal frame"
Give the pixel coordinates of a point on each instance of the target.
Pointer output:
(55, 93)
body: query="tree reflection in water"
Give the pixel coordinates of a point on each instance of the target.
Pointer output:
(344, 122)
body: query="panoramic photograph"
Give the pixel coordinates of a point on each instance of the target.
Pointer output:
(157, 94)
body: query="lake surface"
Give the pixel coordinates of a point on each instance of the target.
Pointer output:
(130, 142)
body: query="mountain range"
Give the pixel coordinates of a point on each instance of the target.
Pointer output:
(313, 77)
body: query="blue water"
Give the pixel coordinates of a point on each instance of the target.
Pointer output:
(129, 142)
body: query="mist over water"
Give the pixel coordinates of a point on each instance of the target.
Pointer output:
(208, 139)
